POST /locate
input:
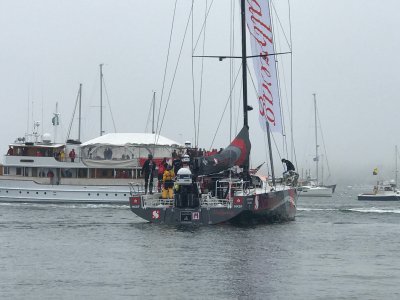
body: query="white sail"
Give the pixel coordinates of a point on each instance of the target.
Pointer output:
(258, 20)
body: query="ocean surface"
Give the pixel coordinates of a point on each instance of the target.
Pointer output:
(337, 248)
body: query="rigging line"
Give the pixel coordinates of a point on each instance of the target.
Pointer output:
(223, 113)
(231, 69)
(281, 26)
(193, 85)
(278, 79)
(73, 114)
(109, 106)
(148, 115)
(291, 83)
(238, 107)
(222, 57)
(323, 143)
(231, 66)
(201, 77)
(255, 89)
(166, 65)
(278, 74)
(276, 146)
(203, 26)
(174, 76)
(266, 152)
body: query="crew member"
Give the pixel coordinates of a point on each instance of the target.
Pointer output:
(168, 180)
(72, 155)
(186, 161)
(161, 169)
(289, 165)
(148, 170)
(177, 164)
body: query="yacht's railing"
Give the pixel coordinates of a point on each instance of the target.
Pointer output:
(136, 188)
(208, 201)
(155, 201)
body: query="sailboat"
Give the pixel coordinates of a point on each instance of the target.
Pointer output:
(383, 190)
(314, 188)
(206, 192)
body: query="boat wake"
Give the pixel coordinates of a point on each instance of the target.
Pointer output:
(380, 210)
(64, 205)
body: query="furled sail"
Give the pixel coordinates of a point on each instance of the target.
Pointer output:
(236, 154)
(258, 20)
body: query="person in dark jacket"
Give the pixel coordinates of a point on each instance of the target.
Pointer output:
(176, 164)
(289, 165)
(148, 170)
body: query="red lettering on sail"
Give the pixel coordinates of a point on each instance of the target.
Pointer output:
(259, 26)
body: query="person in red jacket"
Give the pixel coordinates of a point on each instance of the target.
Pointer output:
(161, 168)
(72, 155)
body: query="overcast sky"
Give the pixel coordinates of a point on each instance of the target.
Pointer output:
(345, 51)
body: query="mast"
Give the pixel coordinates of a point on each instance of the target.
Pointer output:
(80, 111)
(316, 136)
(244, 63)
(154, 106)
(396, 165)
(101, 99)
(244, 72)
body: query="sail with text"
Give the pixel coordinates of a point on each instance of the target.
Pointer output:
(236, 154)
(258, 21)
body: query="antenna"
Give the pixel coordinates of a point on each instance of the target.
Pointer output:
(101, 99)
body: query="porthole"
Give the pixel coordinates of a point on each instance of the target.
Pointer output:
(45, 193)
(115, 195)
(88, 194)
(124, 195)
(37, 193)
(98, 194)
(20, 192)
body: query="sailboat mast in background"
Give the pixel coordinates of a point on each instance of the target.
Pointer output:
(316, 159)
(101, 99)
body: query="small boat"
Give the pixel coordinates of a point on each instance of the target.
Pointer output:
(383, 191)
(210, 192)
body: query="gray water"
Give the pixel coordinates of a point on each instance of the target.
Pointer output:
(338, 248)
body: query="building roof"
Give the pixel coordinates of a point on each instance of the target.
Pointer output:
(123, 139)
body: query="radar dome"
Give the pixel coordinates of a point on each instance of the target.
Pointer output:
(46, 138)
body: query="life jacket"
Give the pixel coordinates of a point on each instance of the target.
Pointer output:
(168, 175)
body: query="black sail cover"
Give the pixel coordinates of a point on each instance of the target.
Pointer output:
(236, 154)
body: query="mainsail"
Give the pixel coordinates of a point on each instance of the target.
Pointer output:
(258, 21)
(236, 154)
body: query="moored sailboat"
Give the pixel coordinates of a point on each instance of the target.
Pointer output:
(209, 192)
(314, 188)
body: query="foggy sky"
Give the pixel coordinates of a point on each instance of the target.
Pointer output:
(344, 51)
